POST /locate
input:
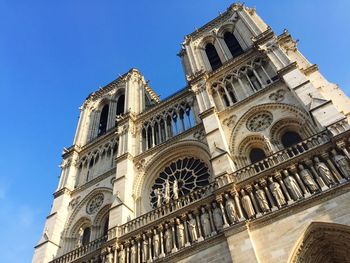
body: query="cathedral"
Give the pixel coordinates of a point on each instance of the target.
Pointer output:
(249, 163)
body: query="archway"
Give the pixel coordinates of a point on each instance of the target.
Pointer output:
(323, 243)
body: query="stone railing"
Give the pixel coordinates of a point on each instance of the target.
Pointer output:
(314, 167)
(81, 251)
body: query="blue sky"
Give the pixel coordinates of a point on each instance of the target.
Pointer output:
(54, 53)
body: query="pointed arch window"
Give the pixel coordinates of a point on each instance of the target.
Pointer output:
(233, 44)
(102, 127)
(213, 56)
(86, 236)
(120, 104)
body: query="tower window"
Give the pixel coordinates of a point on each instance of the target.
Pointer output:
(232, 44)
(290, 138)
(120, 104)
(256, 155)
(102, 127)
(213, 56)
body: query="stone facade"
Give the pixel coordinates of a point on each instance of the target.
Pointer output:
(248, 163)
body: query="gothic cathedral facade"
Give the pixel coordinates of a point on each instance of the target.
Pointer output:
(249, 163)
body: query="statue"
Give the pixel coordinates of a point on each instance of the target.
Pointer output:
(80, 237)
(133, 252)
(323, 170)
(276, 191)
(217, 217)
(292, 186)
(342, 163)
(180, 233)
(155, 243)
(205, 222)
(192, 227)
(121, 255)
(158, 194)
(230, 209)
(268, 143)
(176, 190)
(167, 192)
(109, 256)
(144, 249)
(168, 239)
(261, 197)
(247, 205)
(307, 178)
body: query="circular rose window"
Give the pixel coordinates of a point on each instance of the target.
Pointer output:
(185, 175)
(94, 204)
(260, 121)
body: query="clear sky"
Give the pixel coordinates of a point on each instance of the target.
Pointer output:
(54, 53)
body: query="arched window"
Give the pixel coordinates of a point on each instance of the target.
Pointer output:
(105, 227)
(213, 56)
(102, 127)
(86, 236)
(290, 138)
(232, 44)
(256, 155)
(120, 104)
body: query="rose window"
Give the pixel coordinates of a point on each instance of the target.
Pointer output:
(95, 203)
(189, 173)
(260, 121)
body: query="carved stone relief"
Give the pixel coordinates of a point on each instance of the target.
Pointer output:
(95, 203)
(260, 121)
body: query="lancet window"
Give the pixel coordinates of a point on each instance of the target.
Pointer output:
(242, 82)
(232, 44)
(166, 125)
(120, 105)
(213, 56)
(102, 127)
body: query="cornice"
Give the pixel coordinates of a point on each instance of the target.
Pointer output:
(263, 37)
(124, 156)
(311, 69)
(287, 69)
(62, 191)
(207, 112)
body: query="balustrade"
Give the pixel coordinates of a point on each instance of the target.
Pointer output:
(230, 200)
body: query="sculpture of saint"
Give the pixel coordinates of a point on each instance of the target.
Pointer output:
(217, 217)
(324, 171)
(307, 178)
(261, 197)
(230, 209)
(276, 191)
(205, 220)
(192, 228)
(247, 205)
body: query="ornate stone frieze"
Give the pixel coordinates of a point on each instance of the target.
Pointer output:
(277, 96)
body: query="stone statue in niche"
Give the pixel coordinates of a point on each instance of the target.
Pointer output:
(268, 143)
(144, 249)
(133, 252)
(307, 178)
(292, 186)
(109, 256)
(180, 229)
(176, 190)
(167, 192)
(205, 220)
(121, 255)
(217, 217)
(158, 194)
(247, 205)
(80, 237)
(168, 239)
(155, 243)
(342, 163)
(230, 209)
(276, 191)
(324, 171)
(261, 197)
(192, 228)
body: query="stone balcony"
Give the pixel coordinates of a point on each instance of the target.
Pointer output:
(317, 167)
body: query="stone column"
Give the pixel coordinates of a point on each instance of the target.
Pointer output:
(149, 235)
(238, 205)
(172, 225)
(138, 242)
(213, 231)
(162, 254)
(319, 180)
(219, 199)
(249, 189)
(184, 219)
(200, 236)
